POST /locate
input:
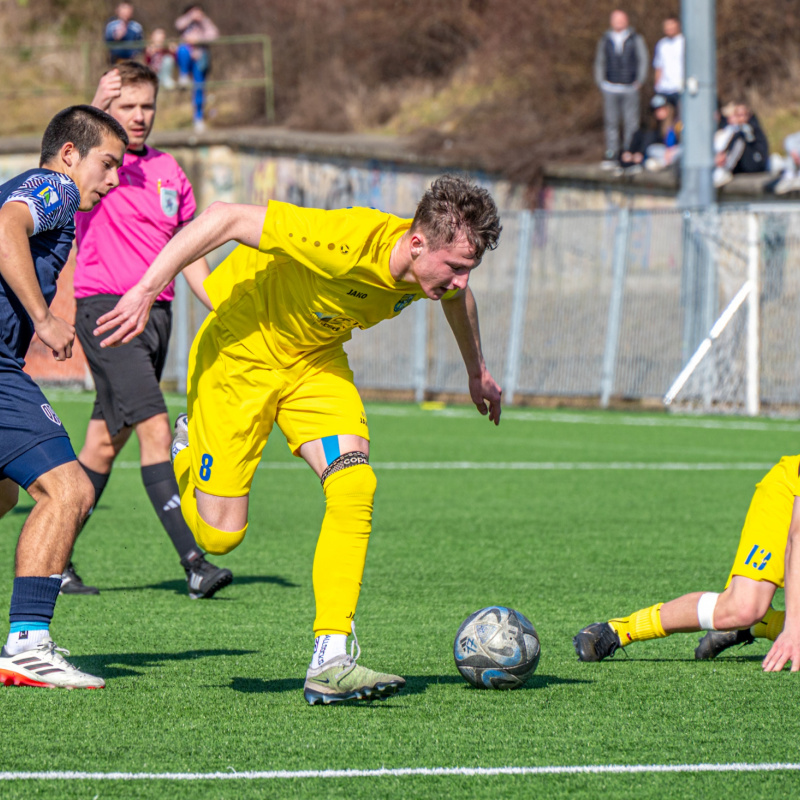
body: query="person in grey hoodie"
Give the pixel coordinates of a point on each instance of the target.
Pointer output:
(620, 69)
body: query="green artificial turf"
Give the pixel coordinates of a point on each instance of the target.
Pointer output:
(216, 686)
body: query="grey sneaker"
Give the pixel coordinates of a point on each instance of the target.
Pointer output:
(596, 642)
(44, 666)
(71, 583)
(342, 678)
(180, 439)
(714, 642)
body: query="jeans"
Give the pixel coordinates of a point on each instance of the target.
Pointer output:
(197, 68)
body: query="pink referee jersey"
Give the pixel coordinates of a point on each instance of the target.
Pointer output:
(126, 230)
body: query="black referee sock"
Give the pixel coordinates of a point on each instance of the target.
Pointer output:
(162, 489)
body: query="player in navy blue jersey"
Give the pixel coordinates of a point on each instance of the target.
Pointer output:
(82, 149)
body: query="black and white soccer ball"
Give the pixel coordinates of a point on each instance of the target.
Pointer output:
(496, 648)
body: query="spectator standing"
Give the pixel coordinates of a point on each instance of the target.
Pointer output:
(124, 28)
(194, 60)
(668, 62)
(160, 57)
(620, 69)
(740, 147)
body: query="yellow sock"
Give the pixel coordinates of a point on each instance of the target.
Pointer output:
(342, 548)
(770, 626)
(639, 626)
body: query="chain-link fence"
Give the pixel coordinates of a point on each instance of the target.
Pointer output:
(612, 306)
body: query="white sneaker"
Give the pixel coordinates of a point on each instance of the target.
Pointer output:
(722, 177)
(184, 81)
(788, 183)
(180, 438)
(607, 165)
(44, 666)
(199, 126)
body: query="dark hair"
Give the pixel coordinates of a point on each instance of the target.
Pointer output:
(84, 126)
(132, 72)
(455, 206)
(188, 8)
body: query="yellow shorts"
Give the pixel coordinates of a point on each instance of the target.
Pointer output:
(762, 546)
(235, 397)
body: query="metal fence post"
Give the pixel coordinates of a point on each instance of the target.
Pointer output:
(182, 322)
(518, 307)
(420, 350)
(615, 306)
(753, 322)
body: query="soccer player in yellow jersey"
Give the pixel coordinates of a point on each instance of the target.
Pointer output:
(271, 351)
(768, 557)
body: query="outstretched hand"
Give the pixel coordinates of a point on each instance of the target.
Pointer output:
(784, 649)
(129, 316)
(483, 390)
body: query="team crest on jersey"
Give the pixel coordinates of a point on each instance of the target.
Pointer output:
(50, 414)
(169, 202)
(404, 301)
(51, 200)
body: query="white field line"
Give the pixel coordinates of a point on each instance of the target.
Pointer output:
(544, 466)
(598, 769)
(593, 418)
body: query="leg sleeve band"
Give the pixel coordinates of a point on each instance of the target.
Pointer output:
(705, 610)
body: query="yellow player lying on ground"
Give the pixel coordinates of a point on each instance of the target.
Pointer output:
(271, 352)
(768, 557)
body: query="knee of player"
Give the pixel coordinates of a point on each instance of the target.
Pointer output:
(356, 479)
(738, 612)
(216, 541)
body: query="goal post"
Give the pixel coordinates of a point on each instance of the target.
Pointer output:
(747, 294)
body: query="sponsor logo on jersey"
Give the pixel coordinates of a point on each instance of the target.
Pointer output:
(359, 295)
(404, 301)
(334, 323)
(169, 202)
(50, 414)
(50, 198)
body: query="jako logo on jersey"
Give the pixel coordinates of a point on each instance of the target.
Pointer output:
(169, 202)
(50, 414)
(50, 199)
(359, 295)
(404, 301)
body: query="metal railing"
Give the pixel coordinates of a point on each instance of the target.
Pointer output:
(611, 306)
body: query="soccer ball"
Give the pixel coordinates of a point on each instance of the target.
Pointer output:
(496, 648)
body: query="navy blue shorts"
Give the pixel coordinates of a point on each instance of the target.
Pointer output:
(32, 437)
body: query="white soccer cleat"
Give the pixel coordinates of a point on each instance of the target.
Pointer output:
(180, 438)
(45, 667)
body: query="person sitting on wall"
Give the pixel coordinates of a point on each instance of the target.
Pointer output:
(741, 146)
(655, 145)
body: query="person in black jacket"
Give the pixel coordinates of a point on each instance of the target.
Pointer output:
(656, 144)
(741, 146)
(620, 69)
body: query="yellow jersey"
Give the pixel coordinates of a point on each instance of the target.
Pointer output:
(315, 276)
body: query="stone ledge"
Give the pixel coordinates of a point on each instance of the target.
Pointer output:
(741, 188)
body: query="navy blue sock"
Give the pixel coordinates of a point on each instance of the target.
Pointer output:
(34, 600)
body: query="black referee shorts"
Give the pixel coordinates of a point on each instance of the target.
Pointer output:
(126, 377)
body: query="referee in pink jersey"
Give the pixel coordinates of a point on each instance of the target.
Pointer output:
(117, 242)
